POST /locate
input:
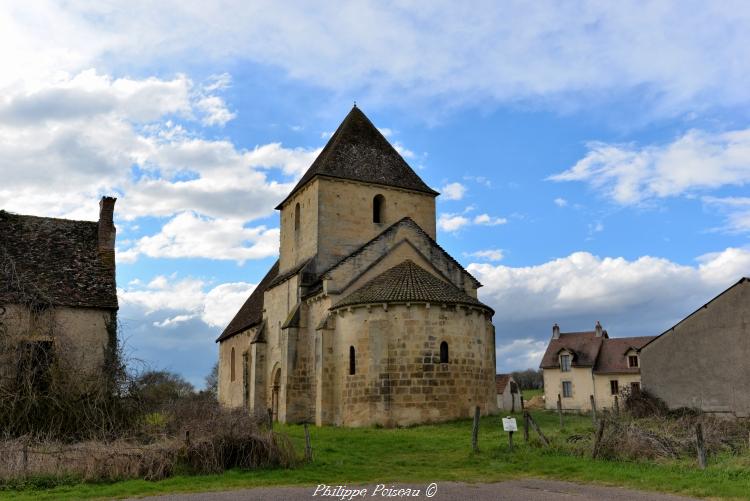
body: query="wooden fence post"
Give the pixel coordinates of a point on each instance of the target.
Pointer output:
(538, 430)
(522, 405)
(475, 431)
(308, 446)
(526, 426)
(559, 409)
(700, 446)
(510, 441)
(593, 411)
(598, 439)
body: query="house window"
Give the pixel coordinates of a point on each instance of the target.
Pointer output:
(352, 361)
(565, 363)
(567, 388)
(614, 387)
(635, 388)
(231, 366)
(378, 206)
(296, 217)
(443, 352)
(633, 361)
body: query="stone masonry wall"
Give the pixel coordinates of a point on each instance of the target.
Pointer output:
(399, 379)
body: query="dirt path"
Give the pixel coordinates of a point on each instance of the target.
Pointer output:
(515, 490)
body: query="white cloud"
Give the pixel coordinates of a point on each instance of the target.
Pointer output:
(177, 301)
(453, 191)
(696, 161)
(188, 235)
(560, 202)
(452, 222)
(488, 254)
(520, 354)
(642, 297)
(673, 56)
(737, 210)
(487, 220)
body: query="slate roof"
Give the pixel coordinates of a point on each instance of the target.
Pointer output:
(603, 354)
(359, 152)
(612, 357)
(408, 282)
(501, 381)
(251, 313)
(53, 261)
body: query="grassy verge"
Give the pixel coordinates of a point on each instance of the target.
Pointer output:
(529, 394)
(442, 453)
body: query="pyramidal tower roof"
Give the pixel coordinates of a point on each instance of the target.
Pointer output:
(359, 152)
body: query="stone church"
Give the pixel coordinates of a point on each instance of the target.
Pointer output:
(364, 319)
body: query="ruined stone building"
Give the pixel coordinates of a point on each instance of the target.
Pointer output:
(58, 300)
(364, 319)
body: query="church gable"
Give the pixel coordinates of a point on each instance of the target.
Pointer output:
(421, 248)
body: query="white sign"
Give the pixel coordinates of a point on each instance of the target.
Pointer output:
(509, 424)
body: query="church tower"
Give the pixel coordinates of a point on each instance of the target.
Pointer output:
(358, 186)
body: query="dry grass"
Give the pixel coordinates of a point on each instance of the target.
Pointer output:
(218, 440)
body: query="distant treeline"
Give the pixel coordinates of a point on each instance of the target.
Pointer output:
(529, 379)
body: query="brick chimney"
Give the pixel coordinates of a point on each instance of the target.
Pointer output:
(598, 329)
(555, 331)
(107, 231)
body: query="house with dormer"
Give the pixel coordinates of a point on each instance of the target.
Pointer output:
(580, 365)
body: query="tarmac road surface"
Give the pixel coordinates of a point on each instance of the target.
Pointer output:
(514, 490)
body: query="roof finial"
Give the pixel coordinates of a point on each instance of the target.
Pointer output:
(355, 103)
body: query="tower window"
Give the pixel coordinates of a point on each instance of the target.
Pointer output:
(443, 352)
(231, 366)
(378, 207)
(296, 217)
(352, 361)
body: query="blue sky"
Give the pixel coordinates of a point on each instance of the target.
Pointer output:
(593, 159)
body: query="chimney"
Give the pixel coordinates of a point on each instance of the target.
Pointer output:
(107, 231)
(598, 329)
(555, 331)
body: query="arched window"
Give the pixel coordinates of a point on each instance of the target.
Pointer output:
(378, 208)
(443, 352)
(231, 366)
(296, 217)
(352, 361)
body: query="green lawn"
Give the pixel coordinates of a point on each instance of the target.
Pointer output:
(441, 453)
(529, 394)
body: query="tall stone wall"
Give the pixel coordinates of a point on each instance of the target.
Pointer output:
(704, 361)
(399, 379)
(346, 215)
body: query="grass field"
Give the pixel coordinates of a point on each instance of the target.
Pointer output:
(529, 394)
(441, 453)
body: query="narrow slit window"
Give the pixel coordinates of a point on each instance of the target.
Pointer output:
(378, 206)
(443, 352)
(352, 361)
(231, 366)
(296, 217)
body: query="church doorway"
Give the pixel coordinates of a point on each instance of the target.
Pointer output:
(275, 393)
